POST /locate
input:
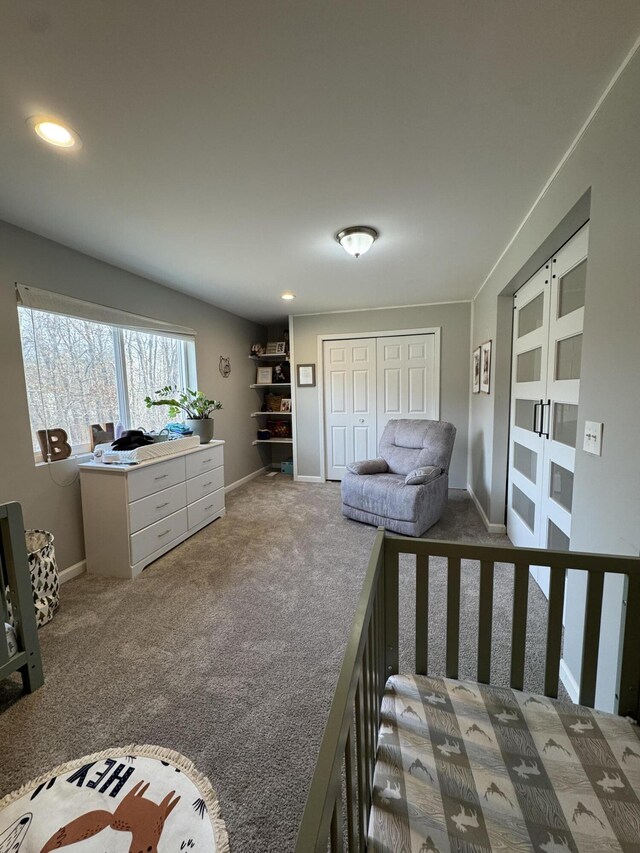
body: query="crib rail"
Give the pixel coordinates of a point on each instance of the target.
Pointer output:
(14, 572)
(596, 567)
(337, 811)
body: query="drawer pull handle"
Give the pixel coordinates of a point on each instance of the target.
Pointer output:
(161, 477)
(206, 461)
(166, 533)
(207, 508)
(204, 485)
(162, 506)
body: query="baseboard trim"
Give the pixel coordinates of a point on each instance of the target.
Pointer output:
(492, 528)
(301, 478)
(246, 479)
(571, 685)
(72, 572)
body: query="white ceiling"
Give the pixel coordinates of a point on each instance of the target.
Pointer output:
(226, 142)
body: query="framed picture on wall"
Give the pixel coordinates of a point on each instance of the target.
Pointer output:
(306, 375)
(485, 367)
(476, 370)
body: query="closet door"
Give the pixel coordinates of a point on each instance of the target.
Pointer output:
(528, 389)
(566, 320)
(547, 350)
(350, 403)
(407, 378)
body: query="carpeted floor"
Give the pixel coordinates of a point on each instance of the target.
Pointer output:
(228, 649)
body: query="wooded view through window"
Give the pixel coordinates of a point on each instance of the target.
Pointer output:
(79, 372)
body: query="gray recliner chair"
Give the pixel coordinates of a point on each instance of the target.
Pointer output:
(406, 488)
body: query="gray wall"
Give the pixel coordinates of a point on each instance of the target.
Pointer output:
(606, 505)
(453, 319)
(30, 259)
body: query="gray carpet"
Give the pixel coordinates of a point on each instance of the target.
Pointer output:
(228, 649)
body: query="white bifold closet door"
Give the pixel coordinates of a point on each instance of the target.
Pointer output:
(350, 403)
(368, 381)
(406, 378)
(547, 348)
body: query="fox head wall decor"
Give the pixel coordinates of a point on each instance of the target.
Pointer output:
(225, 366)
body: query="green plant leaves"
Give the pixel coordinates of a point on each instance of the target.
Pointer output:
(194, 404)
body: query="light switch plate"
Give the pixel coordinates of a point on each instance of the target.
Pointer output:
(593, 438)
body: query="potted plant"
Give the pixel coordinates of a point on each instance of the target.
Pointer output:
(194, 404)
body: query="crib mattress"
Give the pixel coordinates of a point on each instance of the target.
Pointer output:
(466, 767)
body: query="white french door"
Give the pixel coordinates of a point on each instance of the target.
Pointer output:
(350, 403)
(547, 349)
(368, 381)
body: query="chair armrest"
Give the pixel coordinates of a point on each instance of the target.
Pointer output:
(420, 476)
(368, 466)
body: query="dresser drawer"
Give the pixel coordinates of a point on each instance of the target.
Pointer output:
(204, 460)
(205, 508)
(204, 484)
(158, 535)
(154, 478)
(144, 512)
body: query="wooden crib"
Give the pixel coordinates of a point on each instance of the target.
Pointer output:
(15, 590)
(346, 787)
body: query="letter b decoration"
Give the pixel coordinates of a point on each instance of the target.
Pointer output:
(54, 444)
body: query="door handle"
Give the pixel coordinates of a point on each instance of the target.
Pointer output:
(542, 432)
(360, 420)
(535, 419)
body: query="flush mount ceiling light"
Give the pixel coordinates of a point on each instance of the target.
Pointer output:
(288, 295)
(54, 133)
(357, 239)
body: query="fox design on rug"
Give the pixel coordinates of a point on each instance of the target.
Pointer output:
(143, 818)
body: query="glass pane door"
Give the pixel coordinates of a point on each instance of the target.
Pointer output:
(547, 355)
(568, 287)
(528, 385)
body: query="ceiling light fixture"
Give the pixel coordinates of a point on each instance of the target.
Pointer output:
(288, 295)
(54, 133)
(357, 239)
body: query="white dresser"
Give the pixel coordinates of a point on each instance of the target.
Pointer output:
(134, 514)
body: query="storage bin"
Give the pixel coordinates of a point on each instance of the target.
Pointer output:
(45, 581)
(286, 466)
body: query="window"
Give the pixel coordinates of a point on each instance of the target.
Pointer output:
(150, 362)
(80, 372)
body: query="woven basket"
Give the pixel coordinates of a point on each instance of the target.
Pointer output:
(273, 402)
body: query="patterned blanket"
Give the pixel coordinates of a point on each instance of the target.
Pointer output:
(467, 767)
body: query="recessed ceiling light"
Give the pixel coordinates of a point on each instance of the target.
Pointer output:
(357, 239)
(54, 133)
(288, 295)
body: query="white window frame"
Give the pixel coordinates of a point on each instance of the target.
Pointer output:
(188, 376)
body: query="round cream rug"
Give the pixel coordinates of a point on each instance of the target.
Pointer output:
(143, 799)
